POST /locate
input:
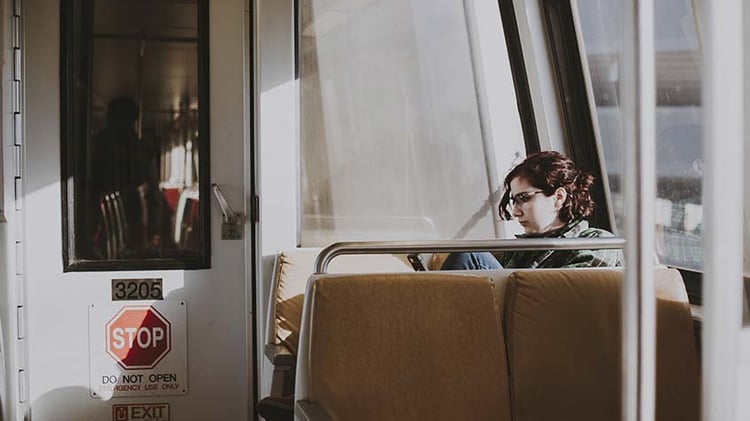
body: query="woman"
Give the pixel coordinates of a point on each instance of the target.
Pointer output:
(550, 197)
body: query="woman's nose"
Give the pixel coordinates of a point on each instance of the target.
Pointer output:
(516, 210)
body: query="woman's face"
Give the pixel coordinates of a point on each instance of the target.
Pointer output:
(535, 211)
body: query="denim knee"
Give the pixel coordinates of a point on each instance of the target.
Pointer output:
(470, 261)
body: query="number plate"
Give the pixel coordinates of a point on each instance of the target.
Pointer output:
(137, 289)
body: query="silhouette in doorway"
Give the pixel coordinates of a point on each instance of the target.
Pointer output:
(124, 187)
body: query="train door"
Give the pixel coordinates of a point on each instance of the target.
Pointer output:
(137, 296)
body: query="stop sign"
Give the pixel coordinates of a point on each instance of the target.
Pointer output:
(138, 337)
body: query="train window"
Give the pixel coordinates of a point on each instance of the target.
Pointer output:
(746, 242)
(2, 182)
(679, 165)
(134, 132)
(402, 136)
(746, 184)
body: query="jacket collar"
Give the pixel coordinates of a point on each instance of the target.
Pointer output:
(569, 230)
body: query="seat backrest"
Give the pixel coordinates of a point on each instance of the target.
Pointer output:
(563, 336)
(292, 268)
(425, 345)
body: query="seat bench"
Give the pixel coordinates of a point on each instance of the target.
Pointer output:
(390, 346)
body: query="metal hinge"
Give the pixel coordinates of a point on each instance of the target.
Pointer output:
(18, 193)
(19, 257)
(16, 106)
(17, 161)
(20, 329)
(255, 209)
(22, 386)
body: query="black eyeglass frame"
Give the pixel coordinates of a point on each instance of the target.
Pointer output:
(522, 197)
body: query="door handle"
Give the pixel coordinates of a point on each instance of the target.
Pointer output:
(231, 221)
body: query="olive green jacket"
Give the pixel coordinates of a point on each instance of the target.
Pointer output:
(564, 258)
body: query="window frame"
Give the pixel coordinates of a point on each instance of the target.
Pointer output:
(71, 155)
(575, 103)
(520, 76)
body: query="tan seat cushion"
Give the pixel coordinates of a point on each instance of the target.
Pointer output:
(678, 380)
(563, 335)
(294, 267)
(422, 346)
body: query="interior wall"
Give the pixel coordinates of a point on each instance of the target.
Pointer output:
(8, 341)
(276, 135)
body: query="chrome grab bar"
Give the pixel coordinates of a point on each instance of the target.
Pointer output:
(442, 246)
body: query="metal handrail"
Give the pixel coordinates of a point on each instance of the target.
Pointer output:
(442, 246)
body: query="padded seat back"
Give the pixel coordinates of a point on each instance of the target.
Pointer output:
(419, 346)
(563, 335)
(291, 272)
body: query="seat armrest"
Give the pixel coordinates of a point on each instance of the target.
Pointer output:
(696, 312)
(306, 411)
(279, 355)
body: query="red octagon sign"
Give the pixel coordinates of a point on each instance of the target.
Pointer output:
(138, 337)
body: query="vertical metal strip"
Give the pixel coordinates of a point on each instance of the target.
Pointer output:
(253, 323)
(722, 201)
(646, 205)
(298, 7)
(638, 108)
(19, 411)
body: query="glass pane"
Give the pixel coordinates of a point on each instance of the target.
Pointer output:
(679, 165)
(2, 186)
(746, 242)
(391, 140)
(135, 138)
(746, 162)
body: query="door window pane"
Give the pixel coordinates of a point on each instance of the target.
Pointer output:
(134, 134)
(391, 139)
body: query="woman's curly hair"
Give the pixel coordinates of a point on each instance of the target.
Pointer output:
(547, 171)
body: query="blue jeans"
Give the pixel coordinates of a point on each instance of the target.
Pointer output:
(471, 261)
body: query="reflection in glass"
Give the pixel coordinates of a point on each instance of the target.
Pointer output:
(135, 135)
(679, 165)
(391, 142)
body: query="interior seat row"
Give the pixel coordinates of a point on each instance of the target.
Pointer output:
(502, 345)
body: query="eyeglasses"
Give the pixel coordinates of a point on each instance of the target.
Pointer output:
(523, 197)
